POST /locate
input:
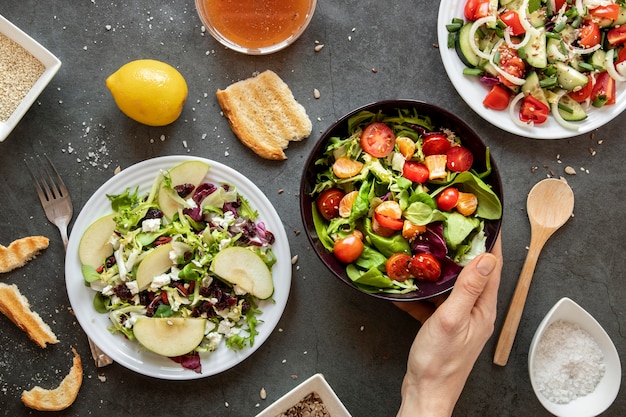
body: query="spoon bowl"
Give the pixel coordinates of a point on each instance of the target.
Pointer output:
(550, 204)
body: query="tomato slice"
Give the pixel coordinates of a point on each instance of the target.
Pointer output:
(348, 249)
(589, 35)
(397, 267)
(610, 11)
(475, 9)
(459, 159)
(511, 63)
(378, 139)
(512, 20)
(389, 215)
(497, 98)
(435, 144)
(415, 171)
(617, 35)
(533, 110)
(388, 222)
(447, 199)
(424, 266)
(584, 93)
(328, 203)
(603, 92)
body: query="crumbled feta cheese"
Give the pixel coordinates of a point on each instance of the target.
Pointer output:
(133, 287)
(239, 291)
(108, 290)
(151, 225)
(160, 281)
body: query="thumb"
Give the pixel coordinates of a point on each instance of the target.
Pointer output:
(472, 282)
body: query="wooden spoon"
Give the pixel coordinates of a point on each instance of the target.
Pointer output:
(550, 203)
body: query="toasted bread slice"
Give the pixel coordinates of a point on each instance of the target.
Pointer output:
(60, 397)
(21, 251)
(16, 307)
(264, 114)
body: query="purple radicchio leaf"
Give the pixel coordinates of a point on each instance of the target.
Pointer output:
(189, 361)
(449, 270)
(202, 191)
(432, 241)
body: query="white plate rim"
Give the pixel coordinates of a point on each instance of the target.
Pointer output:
(473, 92)
(127, 353)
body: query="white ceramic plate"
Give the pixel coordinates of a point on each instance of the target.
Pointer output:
(473, 91)
(128, 353)
(606, 391)
(51, 63)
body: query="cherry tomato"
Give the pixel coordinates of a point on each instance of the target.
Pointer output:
(459, 159)
(397, 267)
(328, 203)
(511, 63)
(533, 110)
(447, 199)
(497, 98)
(378, 140)
(617, 35)
(415, 171)
(512, 20)
(435, 144)
(603, 92)
(425, 266)
(475, 9)
(348, 249)
(589, 35)
(389, 215)
(584, 93)
(610, 12)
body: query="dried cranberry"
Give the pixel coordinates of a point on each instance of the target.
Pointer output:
(153, 213)
(184, 190)
(123, 292)
(110, 261)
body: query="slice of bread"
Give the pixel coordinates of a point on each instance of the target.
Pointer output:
(16, 307)
(60, 397)
(264, 114)
(21, 251)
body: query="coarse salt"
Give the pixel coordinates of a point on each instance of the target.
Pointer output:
(568, 364)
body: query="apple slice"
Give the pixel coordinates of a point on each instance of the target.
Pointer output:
(169, 337)
(189, 172)
(155, 263)
(94, 246)
(242, 267)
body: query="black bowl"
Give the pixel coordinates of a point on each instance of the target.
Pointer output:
(440, 118)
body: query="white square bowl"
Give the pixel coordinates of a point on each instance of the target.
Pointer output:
(316, 384)
(49, 61)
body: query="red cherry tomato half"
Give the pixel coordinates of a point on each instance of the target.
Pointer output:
(533, 110)
(425, 266)
(617, 35)
(610, 11)
(512, 20)
(415, 171)
(589, 35)
(397, 267)
(378, 140)
(328, 203)
(389, 222)
(475, 9)
(459, 159)
(447, 199)
(584, 93)
(497, 98)
(435, 144)
(348, 249)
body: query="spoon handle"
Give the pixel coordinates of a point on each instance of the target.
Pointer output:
(514, 315)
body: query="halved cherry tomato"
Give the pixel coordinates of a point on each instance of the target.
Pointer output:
(497, 98)
(328, 203)
(424, 266)
(617, 35)
(346, 168)
(389, 215)
(415, 171)
(447, 199)
(512, 20)
(589, 35)
(584, 93)
(603, 92)
(378, 139)
(610, 12)
(533, 110)
(511, 63)
(475, 9)
(435, 144)
(397, 267)
(348, 249)
(459, 159)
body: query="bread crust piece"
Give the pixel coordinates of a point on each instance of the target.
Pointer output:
(16, 307)
(264, 114)
(21, 251)
(61, 397)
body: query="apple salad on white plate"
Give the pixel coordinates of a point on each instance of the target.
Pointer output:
(182, 268)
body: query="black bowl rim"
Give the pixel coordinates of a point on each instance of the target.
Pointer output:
(494, 180)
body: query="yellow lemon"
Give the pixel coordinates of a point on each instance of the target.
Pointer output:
(148, 91)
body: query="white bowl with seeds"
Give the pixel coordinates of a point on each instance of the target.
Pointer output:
(574, 366)
(26, 68)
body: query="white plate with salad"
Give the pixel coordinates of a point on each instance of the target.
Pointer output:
(140, 178)
(473, 91)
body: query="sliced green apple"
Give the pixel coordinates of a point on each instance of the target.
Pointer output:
(155, 263)
(94, 246)
(189, 172)
(169, 336)
(242, 267)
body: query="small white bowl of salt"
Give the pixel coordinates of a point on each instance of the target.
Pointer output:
(574, 367)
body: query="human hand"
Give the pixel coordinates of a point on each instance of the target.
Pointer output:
(449, 342)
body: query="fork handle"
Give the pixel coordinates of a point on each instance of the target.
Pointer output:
(62, 226)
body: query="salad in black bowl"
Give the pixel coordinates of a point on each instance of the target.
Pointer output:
(397, 196)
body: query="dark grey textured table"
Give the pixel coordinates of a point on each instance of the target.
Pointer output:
(358, 343)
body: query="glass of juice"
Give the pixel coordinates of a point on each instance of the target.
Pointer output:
(256, 27)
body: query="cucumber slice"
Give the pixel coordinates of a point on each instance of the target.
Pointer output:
(574, 112)
(569, 78)
(532, 87)
(621, 19)
(536, 54)
(555, 52)
(464, 49)
(598, 59)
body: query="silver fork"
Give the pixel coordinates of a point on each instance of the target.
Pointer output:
(56, 203)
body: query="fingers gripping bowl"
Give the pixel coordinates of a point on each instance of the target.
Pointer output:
(399, 233)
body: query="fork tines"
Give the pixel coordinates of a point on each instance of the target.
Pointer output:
(47, 180)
